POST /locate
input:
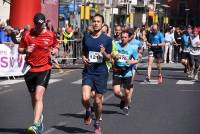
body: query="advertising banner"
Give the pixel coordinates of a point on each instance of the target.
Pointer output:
(11, 63)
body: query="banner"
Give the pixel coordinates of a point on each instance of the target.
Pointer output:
(11, 63)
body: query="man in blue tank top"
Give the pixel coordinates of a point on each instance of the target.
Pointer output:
(155, 44)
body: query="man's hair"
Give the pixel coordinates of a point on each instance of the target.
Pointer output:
(128, 32)
(98, 15)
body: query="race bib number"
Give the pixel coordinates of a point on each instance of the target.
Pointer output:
(123, 58)
(195, 50)
(95, 57)
(187, 50)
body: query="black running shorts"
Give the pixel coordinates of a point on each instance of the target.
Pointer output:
(34, 79)
(126, 82)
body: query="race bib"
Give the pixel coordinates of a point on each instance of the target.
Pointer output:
(123, 58)
(195, 50)
(95, 57)
(186, 50)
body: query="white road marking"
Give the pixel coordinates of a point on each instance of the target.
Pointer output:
(10, 82)
(6, 83)
(54, 80)
(152, 82)
(187, 90)
(78, 82)
(185, 82)
(51, 130)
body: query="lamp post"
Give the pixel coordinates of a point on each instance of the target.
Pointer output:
(187, 13)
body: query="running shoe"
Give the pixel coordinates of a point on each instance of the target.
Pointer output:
(185, 69)
(160, 79)
(101, 119)
(97, 128)
(36, 128)
(196, 77)
(126, 110)
(88, 118)
(122, 103)
(147, 80)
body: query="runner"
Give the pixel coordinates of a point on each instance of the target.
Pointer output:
(177, 45)
(156, 42)
(185, 53)
(38, 45)
(122, 70)
(96, 49)
(195, 53)
(169, 41)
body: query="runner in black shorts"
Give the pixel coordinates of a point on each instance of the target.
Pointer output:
(37, 78)
(38, 44)
(155, 44)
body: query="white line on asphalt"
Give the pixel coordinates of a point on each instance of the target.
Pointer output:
(185, 82)
(51, 130)
(3, 91)
(78, 82)
(152, 82)
(6, 91)
(189, 90)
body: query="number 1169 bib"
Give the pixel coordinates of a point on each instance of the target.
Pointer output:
(95, 57)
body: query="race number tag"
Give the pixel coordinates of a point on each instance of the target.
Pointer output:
(95, 57)
(123, 58)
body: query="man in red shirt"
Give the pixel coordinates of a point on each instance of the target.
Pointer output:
(38, 45)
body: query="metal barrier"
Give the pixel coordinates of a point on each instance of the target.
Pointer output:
(69, 52)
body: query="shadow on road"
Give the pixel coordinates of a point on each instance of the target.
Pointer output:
(111, 104)
(73, 115)
(13, 130)
(72, 130)
(111, 112)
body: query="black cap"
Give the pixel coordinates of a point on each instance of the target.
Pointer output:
(39, 18)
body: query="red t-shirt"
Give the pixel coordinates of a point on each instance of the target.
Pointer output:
(40, 58)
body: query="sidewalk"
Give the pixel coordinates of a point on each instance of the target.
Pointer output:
(141, 66)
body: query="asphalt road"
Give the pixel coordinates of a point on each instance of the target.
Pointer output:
(170, 108)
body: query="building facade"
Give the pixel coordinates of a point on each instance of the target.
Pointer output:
(184, 12)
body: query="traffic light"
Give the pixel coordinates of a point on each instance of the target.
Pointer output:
(85, 12)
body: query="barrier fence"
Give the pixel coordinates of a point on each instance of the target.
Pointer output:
(69, 52)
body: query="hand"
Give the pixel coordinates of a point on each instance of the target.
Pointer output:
(148, 44)
(30, 48)
(198, 43)
(102, 49)
(54, 51)
(129, 62)
(85, 60)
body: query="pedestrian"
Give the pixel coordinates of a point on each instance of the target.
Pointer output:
(38, 45)
(195, 53)
(169, 41)
(185, 60)
(177, 45)
(122, 70)
(155, 44)
(97, 48)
